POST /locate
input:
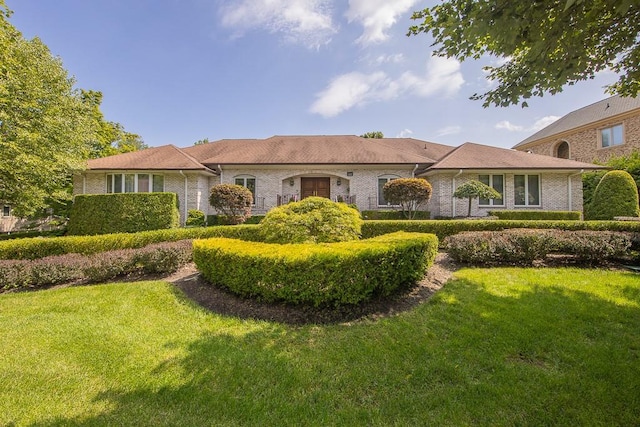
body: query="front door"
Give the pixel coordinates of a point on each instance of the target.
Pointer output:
(316, 187)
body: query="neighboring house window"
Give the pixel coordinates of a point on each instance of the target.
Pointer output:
(611, 136)
(526, 190)
(562, 150)
(249, 182)
(134, 183)
(6, 211)
(382, 180)
(497, 183)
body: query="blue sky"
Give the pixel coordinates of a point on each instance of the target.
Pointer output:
(176, 71)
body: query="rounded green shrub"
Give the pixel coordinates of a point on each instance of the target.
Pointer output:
(195, 218)
(312, 220)
(615, 195)
(232, 201)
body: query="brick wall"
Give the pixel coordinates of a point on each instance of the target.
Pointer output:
(273, 182)
(584, 145)
(554, 189)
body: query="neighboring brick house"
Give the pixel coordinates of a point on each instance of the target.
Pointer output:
(346, 168)
(597, 132)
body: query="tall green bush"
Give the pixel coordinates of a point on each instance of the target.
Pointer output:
(123, 213)
(408, 193)
(615, 195)
(232, 201)
(314, 220)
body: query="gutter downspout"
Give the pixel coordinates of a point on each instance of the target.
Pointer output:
(453, 190)
(413, 172)
(570, 188)
(186, 181)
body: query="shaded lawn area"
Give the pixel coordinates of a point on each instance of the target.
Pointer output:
(494, 347)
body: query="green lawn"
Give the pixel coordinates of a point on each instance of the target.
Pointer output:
(494, 347)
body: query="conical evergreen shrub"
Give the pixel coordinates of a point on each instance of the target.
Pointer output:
(615, 195)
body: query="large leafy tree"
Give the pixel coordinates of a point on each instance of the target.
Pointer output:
(48, 128)
(543, 45)
(44, 124)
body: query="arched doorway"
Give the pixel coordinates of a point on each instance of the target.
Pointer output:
(562, 150)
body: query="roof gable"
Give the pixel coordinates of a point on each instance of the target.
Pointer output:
(601, 110)
(166, 157)
(476, 156)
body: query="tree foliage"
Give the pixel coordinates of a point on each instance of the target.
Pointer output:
(44, 124)
(615, 195)
(408, 193)
(375, 135)
(109, 138)
(201, 141)
(542, 45)
(311, 220)
(233, 201)
(48, 128)
(475, 189)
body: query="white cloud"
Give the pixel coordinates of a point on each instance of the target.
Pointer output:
(449, 130)
(543, 122)
(395, 59)
(346, 91)
(307, 22)
(376, 16)
(405, 133)
(507, 125)
(539, 124)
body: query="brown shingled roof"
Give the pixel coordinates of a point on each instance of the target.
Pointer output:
(476, 156)
(323, 149)
(167, 157)
(595, 112)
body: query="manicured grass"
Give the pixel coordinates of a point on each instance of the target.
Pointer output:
(494, 347)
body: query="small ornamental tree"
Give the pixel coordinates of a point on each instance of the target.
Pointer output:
(615, 195)
(233, 201)
(311, 220)
(472, 189)
(408, 193)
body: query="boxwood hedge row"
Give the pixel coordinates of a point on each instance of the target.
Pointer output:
(525, 246)
(444, 228)
(318, 274)
(537, 215)
(42, 247)
(123, 213)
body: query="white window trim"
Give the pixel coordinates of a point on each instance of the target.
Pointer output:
(491, 204)
(610, 129)
(526, 191)
(135, 182)
(388, 177)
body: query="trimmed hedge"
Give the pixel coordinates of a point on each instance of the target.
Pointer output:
(123, 213)
(444, 228)
(525, 246)
(42, 247)
(393, 215)
(159, 258)
(221, 219)
(537, 215)
(318, 274)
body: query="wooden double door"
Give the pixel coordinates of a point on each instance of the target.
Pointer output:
(320, 187)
